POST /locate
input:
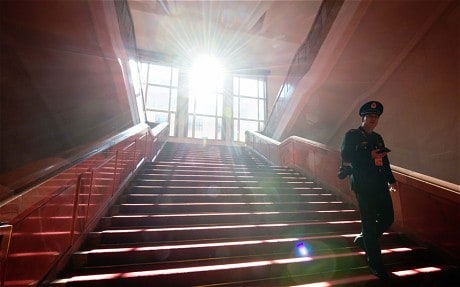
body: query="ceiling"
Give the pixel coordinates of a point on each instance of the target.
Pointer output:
(245, 35)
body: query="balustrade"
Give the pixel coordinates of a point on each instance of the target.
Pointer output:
(43, 225)
(426, 209)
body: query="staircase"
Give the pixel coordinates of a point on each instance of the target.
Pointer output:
(221, 216)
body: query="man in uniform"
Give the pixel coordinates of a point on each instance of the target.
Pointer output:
(371, 180)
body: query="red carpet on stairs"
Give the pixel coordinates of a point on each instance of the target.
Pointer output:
(209, 215)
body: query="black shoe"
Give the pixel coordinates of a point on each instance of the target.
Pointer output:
(359, 241)
(379, 272)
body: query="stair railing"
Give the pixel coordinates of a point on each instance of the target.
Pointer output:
(5, 237)
(426, 209)
(45, 224)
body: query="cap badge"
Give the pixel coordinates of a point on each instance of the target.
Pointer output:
(373, 105)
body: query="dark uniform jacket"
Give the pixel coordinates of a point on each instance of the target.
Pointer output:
(356, 149)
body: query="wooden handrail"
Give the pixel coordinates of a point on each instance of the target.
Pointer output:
(35, 214)
(14, 183)
(455, 188)
(425, 207)
(451, 187)
(5, 237)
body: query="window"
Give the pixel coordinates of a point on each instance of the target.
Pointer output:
(205, 99)
(203, 116)
(160, 85)
(249, 105)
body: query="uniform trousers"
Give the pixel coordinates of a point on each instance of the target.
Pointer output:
(376, 210)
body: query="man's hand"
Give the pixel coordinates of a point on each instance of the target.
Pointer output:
(392, 187)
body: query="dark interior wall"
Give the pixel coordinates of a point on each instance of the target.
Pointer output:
(62, 80)
(407, 59)
(422, 99)
(421, 120)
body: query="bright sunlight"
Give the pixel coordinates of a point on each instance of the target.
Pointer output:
(206, 76)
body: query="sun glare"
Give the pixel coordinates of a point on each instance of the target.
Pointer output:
(207, 75)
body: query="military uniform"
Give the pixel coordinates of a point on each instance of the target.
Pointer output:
(369, 181)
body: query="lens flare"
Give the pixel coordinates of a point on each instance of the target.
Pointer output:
(302, 249)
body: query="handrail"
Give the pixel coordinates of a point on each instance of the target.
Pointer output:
(425, 207)
(428, 179)
(67, 159)
(56, 214)
(415, 175)
(5, 237)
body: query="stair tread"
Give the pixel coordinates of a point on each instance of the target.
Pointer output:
(388, 237)
(287, 257)
(232, 217)
(208, 267)
(360, 277)
(238, 246)
(280, 223)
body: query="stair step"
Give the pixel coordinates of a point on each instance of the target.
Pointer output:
(389, 239)
(418, 275)
(228, 207)
(136, 188)
(172, 219)
(218, 167)
(208, 231)
(180, 250)
(190, 273)
(224, 178)
(211, 171)
(134, 198)
(222, 183)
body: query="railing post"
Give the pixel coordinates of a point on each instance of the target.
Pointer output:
(114, 187)
(75, 209)
(133, 165)
(90, 191)
(5, 236)
(146, 146)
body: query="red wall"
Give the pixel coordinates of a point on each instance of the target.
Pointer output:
(62, 83)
